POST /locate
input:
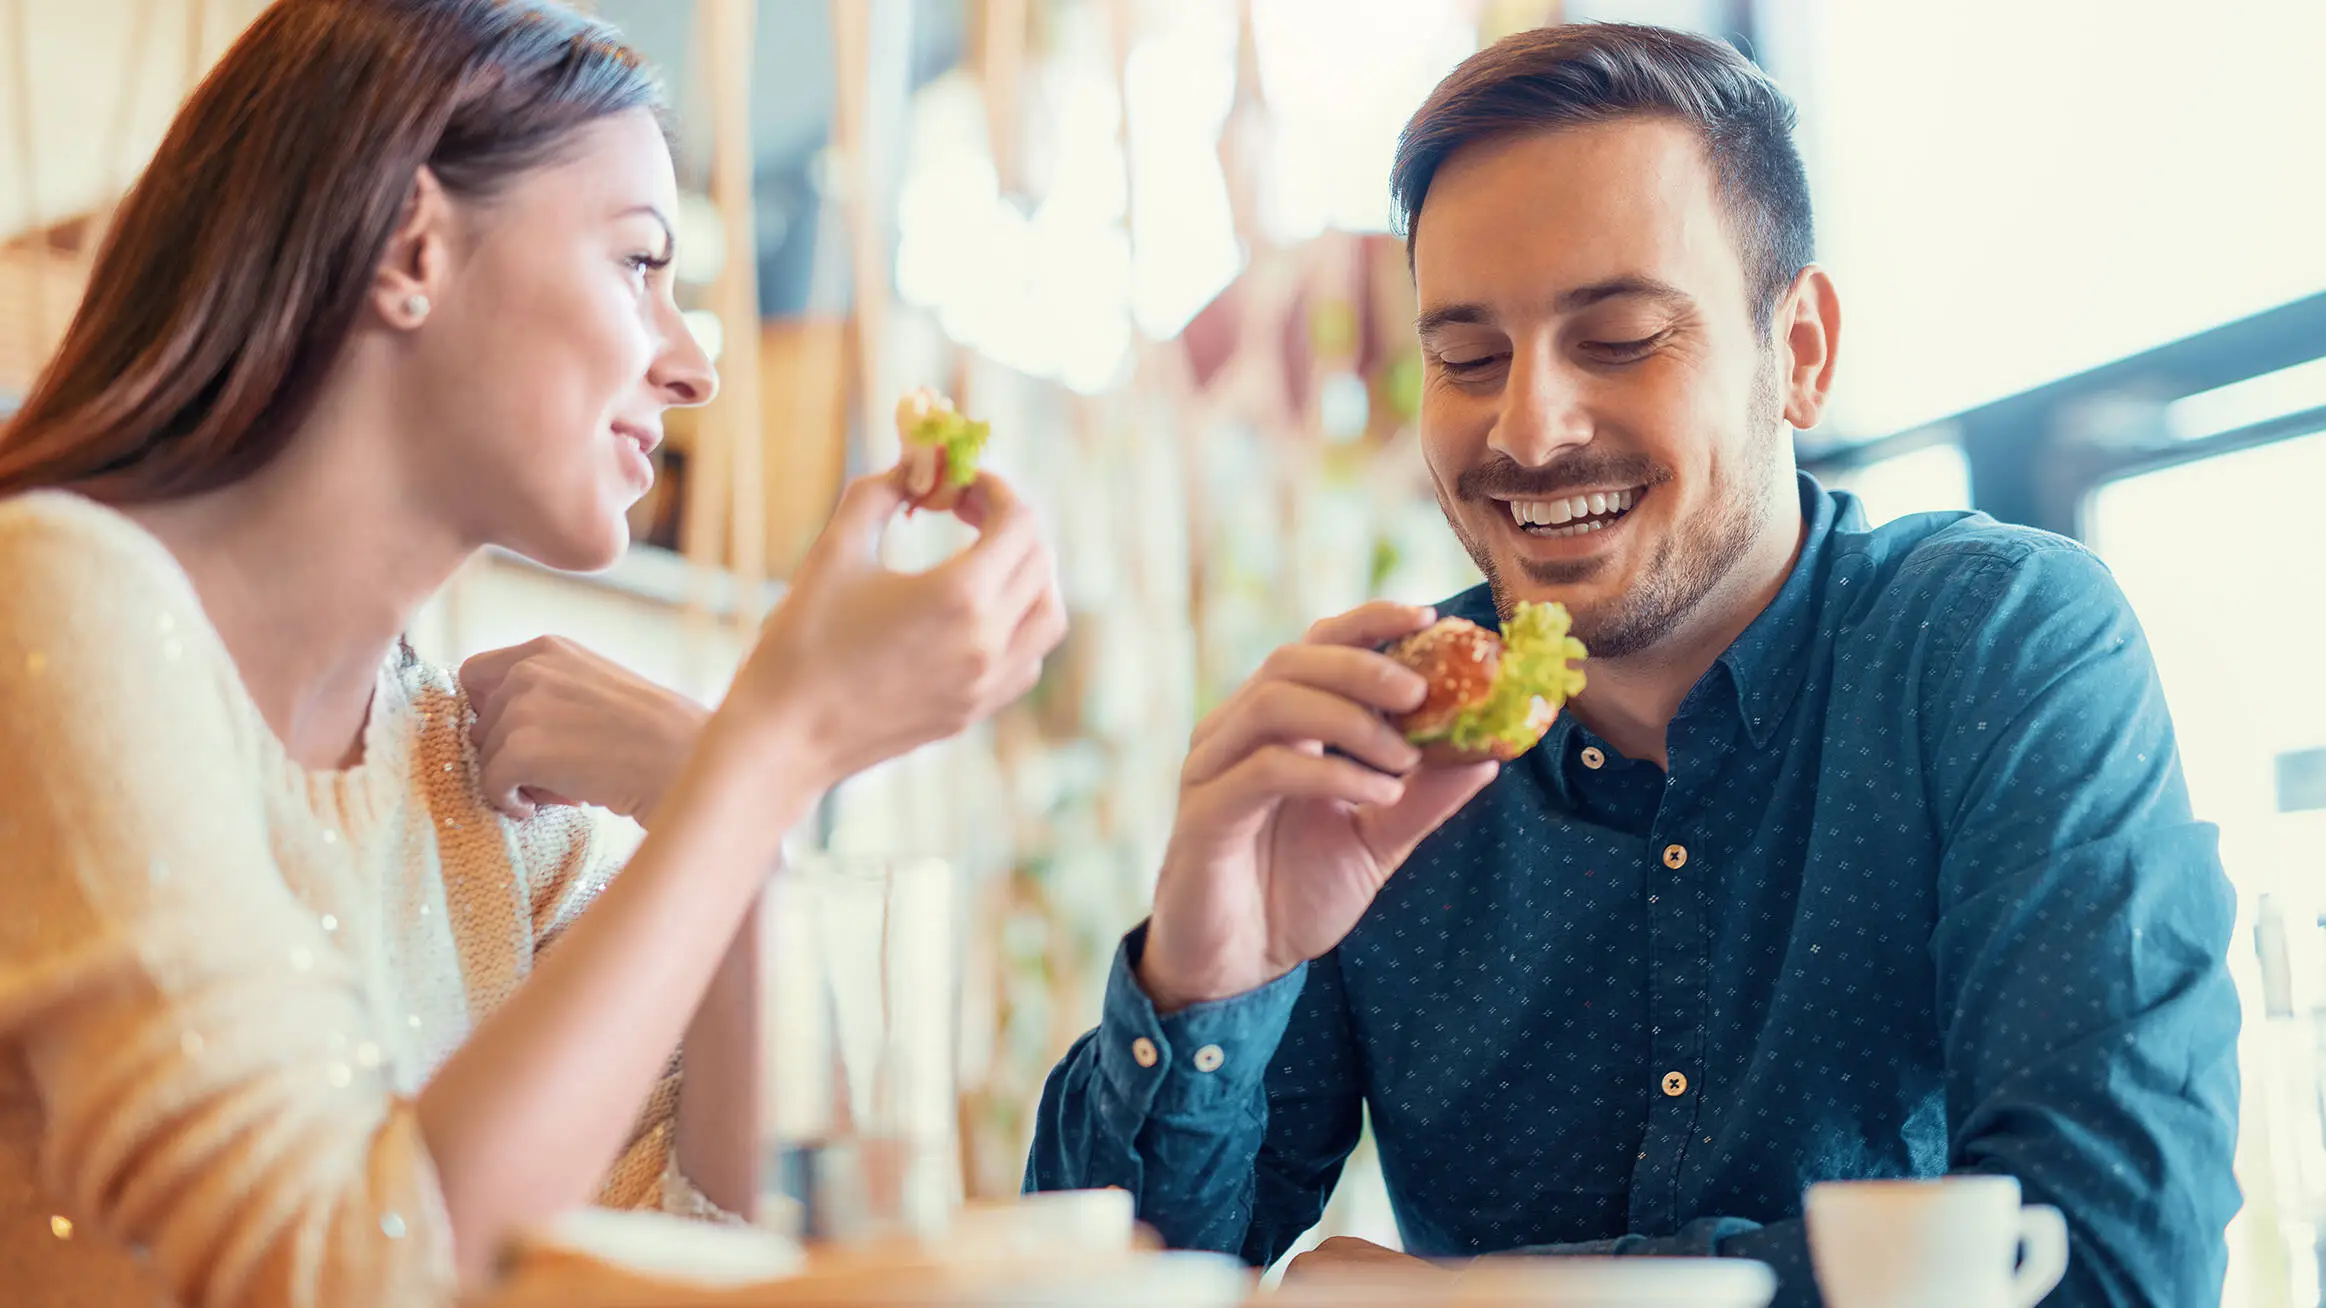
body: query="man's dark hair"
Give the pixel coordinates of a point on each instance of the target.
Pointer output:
(1582, 73)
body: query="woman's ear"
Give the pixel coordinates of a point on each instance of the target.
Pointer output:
(411, 274)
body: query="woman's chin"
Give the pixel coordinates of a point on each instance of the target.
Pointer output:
(592, 550)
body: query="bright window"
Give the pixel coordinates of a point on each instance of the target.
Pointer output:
(2010, 191)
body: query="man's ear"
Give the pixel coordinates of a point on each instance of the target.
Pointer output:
(1808, 330)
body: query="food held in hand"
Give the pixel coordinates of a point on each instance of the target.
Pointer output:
(941, 449)
(1490, 697)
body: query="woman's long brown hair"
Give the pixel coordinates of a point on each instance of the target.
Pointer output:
(239, 262)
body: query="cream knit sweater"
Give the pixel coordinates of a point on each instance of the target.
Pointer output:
(224, 977)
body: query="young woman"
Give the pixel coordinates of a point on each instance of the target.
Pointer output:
(276, 1023)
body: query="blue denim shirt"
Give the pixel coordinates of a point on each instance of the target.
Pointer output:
(1921, 893)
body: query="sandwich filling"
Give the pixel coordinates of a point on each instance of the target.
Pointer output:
(1535, 676)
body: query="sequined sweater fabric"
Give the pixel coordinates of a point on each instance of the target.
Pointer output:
(224, 977)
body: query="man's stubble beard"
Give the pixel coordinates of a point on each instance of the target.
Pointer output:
(1686, 565)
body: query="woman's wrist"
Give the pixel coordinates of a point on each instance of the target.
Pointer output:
(680, 735)
(744, 788)
(772, 743)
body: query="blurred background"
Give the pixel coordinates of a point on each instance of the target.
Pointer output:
(2081, 245)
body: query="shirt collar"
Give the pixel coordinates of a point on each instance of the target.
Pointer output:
(1769, 661)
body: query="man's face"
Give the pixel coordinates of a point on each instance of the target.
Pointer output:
(1601, 418)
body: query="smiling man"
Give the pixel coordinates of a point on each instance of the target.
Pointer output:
(1865, 853)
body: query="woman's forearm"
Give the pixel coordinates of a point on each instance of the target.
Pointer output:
(718, 1097)
(525, 1117)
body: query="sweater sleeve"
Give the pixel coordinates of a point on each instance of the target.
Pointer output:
(208, 1069)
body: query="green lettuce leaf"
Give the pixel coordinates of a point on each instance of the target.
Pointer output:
(1538, 662)
(963, 442)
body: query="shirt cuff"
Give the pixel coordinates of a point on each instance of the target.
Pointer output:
(1199, 1061)
(1698, 1239)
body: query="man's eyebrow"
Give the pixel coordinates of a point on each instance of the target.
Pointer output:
(1616, 288)
(1471, 313)
(1464, 314)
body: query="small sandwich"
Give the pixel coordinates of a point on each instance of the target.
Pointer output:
(1490, 697)
(941, 449)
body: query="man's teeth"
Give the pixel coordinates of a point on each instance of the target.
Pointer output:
(1559, 513)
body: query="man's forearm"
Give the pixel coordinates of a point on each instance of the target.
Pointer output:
(1172, 1109)
(1192, 1179)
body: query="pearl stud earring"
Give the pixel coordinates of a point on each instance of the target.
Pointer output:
(416, 305)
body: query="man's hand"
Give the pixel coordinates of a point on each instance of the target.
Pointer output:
(1279, 847)
(1347, 1258)
(557, 724)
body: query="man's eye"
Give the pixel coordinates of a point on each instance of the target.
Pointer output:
(1624, 351)
(1464, 367)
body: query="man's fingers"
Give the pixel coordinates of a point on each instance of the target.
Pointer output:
(1277, 772)
(1340, 655)
(1361, 676)
(1286, 713)
(1371, 624)
(1373, 680)
(1432, 795)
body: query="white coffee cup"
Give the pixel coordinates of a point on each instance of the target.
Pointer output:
(1956, 1242)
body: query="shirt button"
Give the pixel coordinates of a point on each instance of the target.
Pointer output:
(1592, 758)
(1675, 1084)
(1209, 1058)
(1143, 1052)
(1675, 856)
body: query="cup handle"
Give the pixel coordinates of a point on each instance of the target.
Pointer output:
(2043, 1244)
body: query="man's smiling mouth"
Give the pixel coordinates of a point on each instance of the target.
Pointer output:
(1573, 515)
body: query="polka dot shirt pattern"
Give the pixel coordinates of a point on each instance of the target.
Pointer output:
(1921, 893)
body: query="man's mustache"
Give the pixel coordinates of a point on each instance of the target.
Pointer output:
(1504, 478)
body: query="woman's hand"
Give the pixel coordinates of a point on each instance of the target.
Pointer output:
(558, 724)
(865, 663)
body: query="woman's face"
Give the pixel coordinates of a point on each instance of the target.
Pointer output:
(551, 347)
